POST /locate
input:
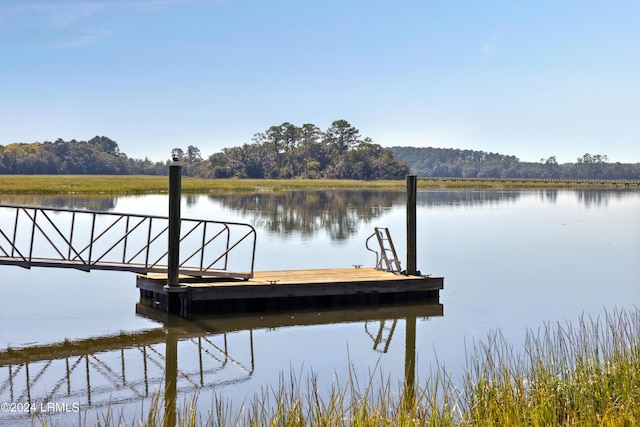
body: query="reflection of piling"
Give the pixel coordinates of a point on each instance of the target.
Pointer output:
(411, 225)
(410, 363)
(171, 379)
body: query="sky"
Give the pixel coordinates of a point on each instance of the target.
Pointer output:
(533, 79)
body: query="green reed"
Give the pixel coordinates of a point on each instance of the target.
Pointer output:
(583, 374)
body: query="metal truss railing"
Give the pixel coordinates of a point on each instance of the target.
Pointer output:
(91, 240)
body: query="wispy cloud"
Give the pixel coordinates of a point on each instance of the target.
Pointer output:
(492, 42)
(52, 24)
(72, 22)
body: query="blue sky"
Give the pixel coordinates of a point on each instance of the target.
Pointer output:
(529, 78)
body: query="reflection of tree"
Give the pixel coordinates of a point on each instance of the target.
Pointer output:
(190, 199)
(549, 195)
(337, 212)
(103, 204)
(599, 198)
(340, 213)
(452, 198)
(592, 198)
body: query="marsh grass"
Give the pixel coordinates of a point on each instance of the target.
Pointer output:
(584, 374)
(98, 185)
(143, 184)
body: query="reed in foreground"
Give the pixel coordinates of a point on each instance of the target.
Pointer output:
(566, 375)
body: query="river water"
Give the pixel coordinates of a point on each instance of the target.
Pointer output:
(73, 344)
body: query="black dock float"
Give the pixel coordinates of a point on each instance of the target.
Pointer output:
(289, 289)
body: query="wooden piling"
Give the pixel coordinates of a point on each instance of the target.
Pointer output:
(411, 225)
(173, 261)
(175, 189)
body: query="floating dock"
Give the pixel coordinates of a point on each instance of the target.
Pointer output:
(287, 289)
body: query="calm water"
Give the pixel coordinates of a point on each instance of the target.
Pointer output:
(512, 260)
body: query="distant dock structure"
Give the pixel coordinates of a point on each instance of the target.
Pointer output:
(570, 182)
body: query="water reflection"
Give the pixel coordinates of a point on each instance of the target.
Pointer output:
(466, 198)
(202, 354)
(105, 204)
(601, 198)
(340, 213)
(493, 198)
(559, 234)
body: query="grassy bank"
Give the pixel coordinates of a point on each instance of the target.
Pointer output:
(145, 184)
(584, 374)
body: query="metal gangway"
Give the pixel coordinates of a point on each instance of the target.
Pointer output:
(32, 236)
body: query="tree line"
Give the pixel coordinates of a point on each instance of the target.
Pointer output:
(451, 162)
(99, 155)
(282, 151)
(290, 151)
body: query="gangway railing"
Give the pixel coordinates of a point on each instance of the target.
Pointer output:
(87, 240)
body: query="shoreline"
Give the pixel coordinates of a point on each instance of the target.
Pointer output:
(154, 184)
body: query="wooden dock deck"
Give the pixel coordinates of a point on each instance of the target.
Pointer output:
(285, 289)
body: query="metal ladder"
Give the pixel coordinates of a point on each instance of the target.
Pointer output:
(388, 258)
(380, 341)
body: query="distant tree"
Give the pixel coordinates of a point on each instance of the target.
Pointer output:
(289, 151)
(106, 145)
(220, 167)
(313, 153)
(595, 159)
(342, 136)
(193, 154)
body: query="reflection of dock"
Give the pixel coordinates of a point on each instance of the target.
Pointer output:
(126, 368)
(185, 329)
(285, 289)
(204, 353)
(234, 322)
